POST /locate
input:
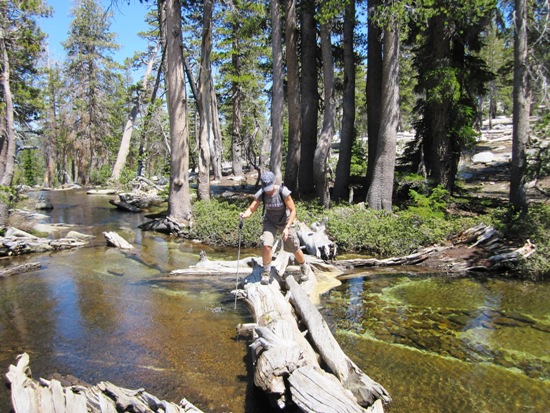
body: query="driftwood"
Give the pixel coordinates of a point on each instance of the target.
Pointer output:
(19, 269)
(410, 259)
(115, 240)
(165, 225)
(110, 191)
(316, 241)
(363, 387)
(51, 396)
(286, 364)
(17, 242)
(137, 201)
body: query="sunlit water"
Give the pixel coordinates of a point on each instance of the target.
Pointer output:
(448, 345)
(99, 314)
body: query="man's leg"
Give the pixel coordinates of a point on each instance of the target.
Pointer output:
(301, 260)
(267, 256)
(268, 239)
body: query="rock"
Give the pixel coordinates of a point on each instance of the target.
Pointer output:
(484, 157)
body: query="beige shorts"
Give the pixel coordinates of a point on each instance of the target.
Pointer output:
(292, 243)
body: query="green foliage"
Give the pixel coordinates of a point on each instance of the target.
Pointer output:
(533, 226)
(8, 195)
(216, 222)
(358, 165)
(101, 176)
(433, 204)
(539, 155)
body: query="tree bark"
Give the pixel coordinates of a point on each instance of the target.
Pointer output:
(347, 132)
(203, 190)
(179, 203)
(216, 148)
(380, 192)
(277, 100)
(124, 149)
(320, 173)
(310, 98)
(436, 144)
(374, 88)
(236, 122)
(520, 134)
(294, 114)
(8, 145)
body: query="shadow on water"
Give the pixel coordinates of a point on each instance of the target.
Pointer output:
(436, 344)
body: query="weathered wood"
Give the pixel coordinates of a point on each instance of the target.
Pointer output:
(17, 242)
(316, 241)
(280, 350)
(19, 269)
(350, 375)
(115, 240)
(410, 259)
(50, 396)
(313, 390)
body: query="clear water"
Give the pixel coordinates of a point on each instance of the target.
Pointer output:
(100, 314)
(448, 344)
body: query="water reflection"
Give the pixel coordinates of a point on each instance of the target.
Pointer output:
(94, 313)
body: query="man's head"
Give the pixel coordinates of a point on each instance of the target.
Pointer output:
(268, 180)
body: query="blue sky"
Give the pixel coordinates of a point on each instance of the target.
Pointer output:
(127, 21)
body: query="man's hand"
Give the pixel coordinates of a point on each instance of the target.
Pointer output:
(285, 234)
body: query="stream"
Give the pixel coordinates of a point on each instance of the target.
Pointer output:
(436, 344)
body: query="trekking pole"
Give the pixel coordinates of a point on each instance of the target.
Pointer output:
(238, 259)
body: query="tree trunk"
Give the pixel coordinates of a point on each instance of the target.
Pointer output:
(203, 190)
(236, 124)
(320, 173)
(436, 144)
(7, 154)
(347, 133)
(294, 114)
(374, 88)
(216, 148)
(310, 98)
(124, 149)
(520, 134)
(179, 203)
(277, 100)
(380, 192)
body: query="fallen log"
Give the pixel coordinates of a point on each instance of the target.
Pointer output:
(410, 259)
(115, 240)
(17, 242)
(286, 364)
(51, 396)
(19, 269)
(366, 390)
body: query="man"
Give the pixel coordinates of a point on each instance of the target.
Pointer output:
(279, 215)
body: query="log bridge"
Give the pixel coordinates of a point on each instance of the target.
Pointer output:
(297, 361)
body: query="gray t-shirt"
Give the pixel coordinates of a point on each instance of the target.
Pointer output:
(275, 208)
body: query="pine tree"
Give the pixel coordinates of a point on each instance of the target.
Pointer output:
(92, 77)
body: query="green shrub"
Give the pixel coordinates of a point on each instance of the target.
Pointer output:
(216, 222)
(533, 226)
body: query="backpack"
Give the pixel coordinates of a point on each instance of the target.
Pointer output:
(279, 192)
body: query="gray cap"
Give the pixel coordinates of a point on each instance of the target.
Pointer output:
(267, 181)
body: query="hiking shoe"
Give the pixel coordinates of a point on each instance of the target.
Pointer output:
(265, 277)
(303, 272)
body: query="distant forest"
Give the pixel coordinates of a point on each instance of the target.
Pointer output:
(234, 86)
